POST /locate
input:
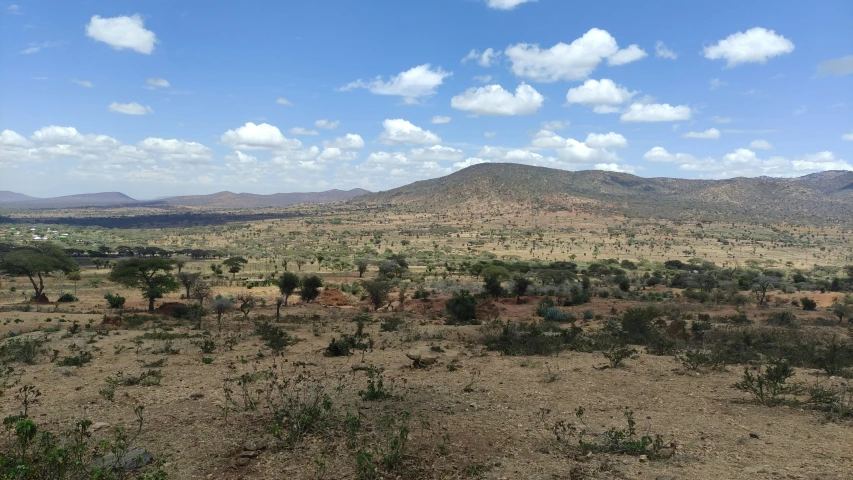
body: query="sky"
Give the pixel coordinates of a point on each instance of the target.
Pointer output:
(158, 98)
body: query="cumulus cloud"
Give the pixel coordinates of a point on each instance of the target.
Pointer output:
(122, 33)
(327, 124)
(603, 95)
(836, 66)
(484, 59)
(494, 100)
(661, 51)
(157, 83)
(417, 82)
(436, 153)
(258, 137)
(505, 4)
(399, 131)
(606, 140)
(130, 108)
(573, 151)
(656, 112)
(613, 167)
(469, 162)
(710, 134)
(438, 119)
(755, 45)
(760, 145)
(574, 61)
(350, 140)
(176, 150)
(745, 162)
(303, 131)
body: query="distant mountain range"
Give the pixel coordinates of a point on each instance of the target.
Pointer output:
(819, 197)
(216, 200)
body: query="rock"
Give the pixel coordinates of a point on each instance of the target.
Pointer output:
(753, 435)
(664, 477)
(644, 458)
(254, 444)
(99, 426)
(756, 469)
(422, 357)
(133, 458)
(242, 462)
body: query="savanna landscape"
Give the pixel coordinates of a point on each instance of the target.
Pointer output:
(489, 324)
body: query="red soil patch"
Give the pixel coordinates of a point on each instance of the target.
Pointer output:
(333, 298)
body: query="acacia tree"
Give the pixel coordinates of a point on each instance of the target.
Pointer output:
(151, 275)
(843, 307)
(220, 306)
(377, 292)
(187, 279)
(37, 262)
(235, 265)
(361, 264)
(519, 287)
(310, 288)
(287, 283)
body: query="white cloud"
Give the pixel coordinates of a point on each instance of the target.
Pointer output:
(469, 162)
(606, 140)
(258, 137)
(656, 112)
(717, 119)
(574, 61)
(505, 4)
(37, 47)
(436, 153)
(575, 152)
(847, 137)
(627, 55)
(490, 134)
(14, 9)
(613, 167)
(710, 134)
(303, 131)
(130, 108)
(420, 81)
(836, 66)
(484, 59)
(555, 125)
(604, 95)
(399, 131)
(350, 140)
(9, 138)
(327, 124)
(440, 119)
(661, 51)
(176, 150)
(756, 45)
(745, 162)
(494, 100)
(337, 154)
(153, 83)
(283, 101)
(122, 33)
(83, 83)
(716, 83)
(760, 145)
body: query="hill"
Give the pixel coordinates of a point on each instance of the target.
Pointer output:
(250, 200)
(824, 196)
(18, 200)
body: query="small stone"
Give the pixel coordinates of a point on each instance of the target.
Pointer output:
(242, 462)
(99, 426)
(644, 458)
(133, 458)
(753, 435)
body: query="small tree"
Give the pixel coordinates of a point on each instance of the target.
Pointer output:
(200, 291)
(361, 265)
(519, 287)
(311, 285)
(287, 284)
(462, 308)
(762, 285)
(235, 265)
(187, 280)
(377, 292)
(150, 275)
(220, 306)
(74, 277)
(37, 262)
(842, 308)
(247, 303)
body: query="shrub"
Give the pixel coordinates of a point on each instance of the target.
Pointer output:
(114, 301)
(808, 304)
(462, 309)
(23, 350)
(783, 319)
(637, 324)
(544, 305)
(555, 315)
(617, 353)
(375, 387)
(588, 315)
(276, 338)
(78, 360)
(67, 297)
(768, 385)
(531, 339)
(391, 324)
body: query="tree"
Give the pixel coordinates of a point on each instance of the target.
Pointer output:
(287, 284)
(310, 288)
(492, 278)
(247, 303)
(519, 287)
(151, 275)
(377, 292)
(842, 308)
(300, 261)
(74, 277)
(462, 308)
(200, 291)
(361, 264)
(37, 262)
(179, 264)
(762, 285)
(220, 306)
(216, 269)
(235, 265)
(389, 268)
(187, 280)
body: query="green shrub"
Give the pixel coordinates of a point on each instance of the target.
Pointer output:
(531, 339)
(462, 309)
(768, 386)
(67, 297)
(783, 319)
(275, 337)
(114, 301)
(391, 324)
(808, 304)
(23, 350)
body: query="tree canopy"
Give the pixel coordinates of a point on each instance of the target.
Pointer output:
(37, 262)
(150, 275)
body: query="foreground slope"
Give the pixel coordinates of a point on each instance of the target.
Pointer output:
(816, 197)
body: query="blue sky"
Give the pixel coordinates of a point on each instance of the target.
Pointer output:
(159, 97)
